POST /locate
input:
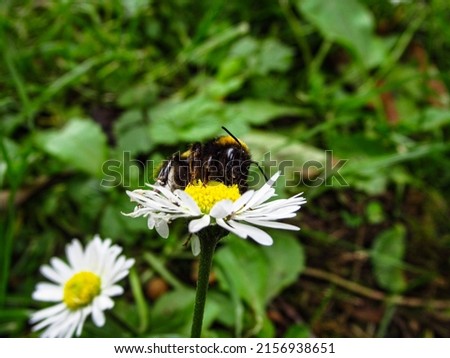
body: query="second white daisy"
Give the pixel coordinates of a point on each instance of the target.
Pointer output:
(81, 288)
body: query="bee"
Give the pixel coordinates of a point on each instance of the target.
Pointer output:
(224, 159)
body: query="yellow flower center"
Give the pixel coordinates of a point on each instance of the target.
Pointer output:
(81, 289)
(206, 195)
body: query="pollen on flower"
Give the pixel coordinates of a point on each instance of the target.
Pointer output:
(81, 289)
(206, 195)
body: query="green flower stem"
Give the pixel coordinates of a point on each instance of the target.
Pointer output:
(208, 245)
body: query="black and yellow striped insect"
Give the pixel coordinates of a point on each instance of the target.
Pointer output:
(224, 159)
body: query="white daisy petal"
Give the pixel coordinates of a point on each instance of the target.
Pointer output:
(272, 224)
(198, 224)
(222, 209)
(113, 291)
(195, 245)
(52, 320)
(84, 314)
(61, 268)
(99, 263)
(226, 226)
(151, 222)
(47, 312)
(238, 204)
(51, 274)
(74, 253)
(189, 202)
(104, 302)
(97, 314)
(48, 292)
(260, 236)
(263, 192)
(162, 228)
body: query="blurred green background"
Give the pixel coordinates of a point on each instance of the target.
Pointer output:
(130, 82)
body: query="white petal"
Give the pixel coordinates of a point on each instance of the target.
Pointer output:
(48, 292)
(97, 314)
(189, 202)
(274, 178)
(162, 229)
(52, 320)
(272, 224)
(47, 312)
(104, 302)
(195, 245)
(113, 291)
(243, 199)
(73, 325)
(221, 209)
(225, 225)
(264, 193)
(85, 312)
(260, 236)
(61, 268)
(52, 274)
(151, 222)
(74, 253)
(198, 224)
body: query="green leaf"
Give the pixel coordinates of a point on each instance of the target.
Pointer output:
(298, 331)
(387, 254)
(172, 313)
(286, 262)
(131, 133)
(274, 56)
(289, 155)
(141, 95)
(434, 118)
(259, 112)
(375, 212)
(260, 273)
(189, 120)
(347, 22)
(80, 144)
(248, 269)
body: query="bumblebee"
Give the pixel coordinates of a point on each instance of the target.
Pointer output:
(224, 159)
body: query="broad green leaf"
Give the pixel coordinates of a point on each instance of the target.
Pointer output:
(245, 47)
(141, 96)
(189, 120)
(387, 254)
(131, 133)
(274, 56)
(259, 112)
(172, 312)
(286, 259)
(371, 173)
(279, 152)
(434, 118)
(248, 268)
(80, 144)
(347, 22)
(260, 273)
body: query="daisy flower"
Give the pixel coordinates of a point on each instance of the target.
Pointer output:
(217, 204)
(82, 287)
